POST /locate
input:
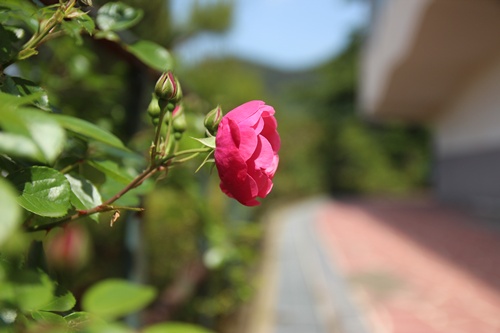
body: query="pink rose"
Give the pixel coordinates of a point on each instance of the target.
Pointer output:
(246, 153)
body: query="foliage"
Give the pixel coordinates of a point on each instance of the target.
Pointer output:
(57, 168)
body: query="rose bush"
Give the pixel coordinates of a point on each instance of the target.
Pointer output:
(246, 153)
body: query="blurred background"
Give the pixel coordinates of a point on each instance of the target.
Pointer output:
(381, 100)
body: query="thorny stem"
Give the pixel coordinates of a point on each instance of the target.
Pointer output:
(107, 205)
(104, 207)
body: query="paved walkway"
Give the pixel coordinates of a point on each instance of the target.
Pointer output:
(380, 267)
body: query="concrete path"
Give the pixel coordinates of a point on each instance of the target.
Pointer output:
(379, 267)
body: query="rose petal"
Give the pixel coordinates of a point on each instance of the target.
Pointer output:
(246, 153)
(264, 154)
(248, 142)
(244, 111)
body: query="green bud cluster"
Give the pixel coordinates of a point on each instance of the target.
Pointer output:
(166, 98)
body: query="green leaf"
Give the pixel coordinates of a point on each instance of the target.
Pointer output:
(44, 191)
(84, 21)
(79, 321)
(79, 21)
(38, 135)
(64, 302)
(23, 11)
(173, 327)
(20, 87)
(107, 34)
(49, 318)
(7, 49)
(19, 145)
(88, 130)
(152, 54)
(84, 195)
(32, 290)
(114, 298)
(117, 16)
(207, 142)
(11, 212)
(111, 169)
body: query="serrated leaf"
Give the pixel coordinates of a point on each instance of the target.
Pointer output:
(152, 54)
(83, 20)
(117, 16)
(11, 212)
(79, 21)
(43, 191)
(89, 130)
(173, 327)
(64, 302)
(114, 298)
(84, 195)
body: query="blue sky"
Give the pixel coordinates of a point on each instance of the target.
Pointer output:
(288, 34)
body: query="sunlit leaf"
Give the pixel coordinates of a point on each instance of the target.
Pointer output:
(207, 142)
(21, 87)
(79, 22)
(79, 321)
(48, 318)
(88, 130)
(152, 54)
(114, 298)
(43, 191)
(85, 21)
(84, 195)
(38, 135)
(11, 212)
(23, 11)
(117, 16)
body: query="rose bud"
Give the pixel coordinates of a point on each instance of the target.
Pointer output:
(68, 248)
(168, 88)
(179, 123)
(246, 152)
(212, 120)
(153, 108)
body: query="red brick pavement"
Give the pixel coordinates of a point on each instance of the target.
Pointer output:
(415, 266)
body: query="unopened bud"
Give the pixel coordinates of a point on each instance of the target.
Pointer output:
(168, 88)
(153, 108)
(179, 123)
(212, 120)
(68, 248)
(178, 110)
